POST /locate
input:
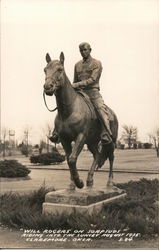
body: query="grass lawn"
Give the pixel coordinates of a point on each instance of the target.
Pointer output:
(137, 214)
(139, 159)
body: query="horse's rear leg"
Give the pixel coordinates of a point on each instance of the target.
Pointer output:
(94, 151)
(110, 180)
(91, 173)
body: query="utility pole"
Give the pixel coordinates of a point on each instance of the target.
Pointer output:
(11, 133)
(4, 145)
(26, 132)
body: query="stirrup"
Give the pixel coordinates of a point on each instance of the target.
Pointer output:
(106, 139)
(54, 138)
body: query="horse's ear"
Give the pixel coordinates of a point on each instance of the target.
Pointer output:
(62, 58)
(48, 58)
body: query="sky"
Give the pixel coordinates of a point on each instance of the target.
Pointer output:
(124, 36)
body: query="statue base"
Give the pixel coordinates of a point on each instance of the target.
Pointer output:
(87, 200)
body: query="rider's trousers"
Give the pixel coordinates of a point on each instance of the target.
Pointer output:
(101, 109)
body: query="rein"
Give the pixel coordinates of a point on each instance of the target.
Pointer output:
(51, 110)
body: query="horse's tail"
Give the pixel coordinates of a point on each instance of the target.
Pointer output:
(114, 125)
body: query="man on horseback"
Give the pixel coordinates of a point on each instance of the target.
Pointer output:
(87, 73)
(86, 77)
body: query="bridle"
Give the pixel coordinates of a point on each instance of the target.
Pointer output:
(51, 110)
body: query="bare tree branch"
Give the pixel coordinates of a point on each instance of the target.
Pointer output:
(129, 134)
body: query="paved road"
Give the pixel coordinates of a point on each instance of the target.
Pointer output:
(60, 179)
(127, 162)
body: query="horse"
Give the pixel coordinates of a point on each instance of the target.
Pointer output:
(77, 121)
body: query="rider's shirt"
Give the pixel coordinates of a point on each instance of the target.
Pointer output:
(87, 73)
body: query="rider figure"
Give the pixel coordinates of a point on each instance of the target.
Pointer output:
(87, 73)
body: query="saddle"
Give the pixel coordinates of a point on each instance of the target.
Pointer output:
(88, 102)
(93, 111)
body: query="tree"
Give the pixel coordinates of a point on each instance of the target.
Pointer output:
(129, 135)
(47, 130)
(42, 146)
(26, 132)
(4, 133)
(154, 137)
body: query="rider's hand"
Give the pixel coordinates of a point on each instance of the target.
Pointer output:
(75, 85)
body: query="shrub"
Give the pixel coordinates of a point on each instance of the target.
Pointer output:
(12, 168)
(48, 158)
(24, 150)
(136, 212)
(22, 210)
(147, 145)
(122, 146)
(140, 145)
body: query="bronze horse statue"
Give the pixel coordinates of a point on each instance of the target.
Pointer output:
(77, 122)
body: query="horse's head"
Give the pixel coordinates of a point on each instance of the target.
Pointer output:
(54, 73)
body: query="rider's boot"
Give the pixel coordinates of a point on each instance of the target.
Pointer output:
(54, 138)
(102, 145)
(106, 134)
(105, 138)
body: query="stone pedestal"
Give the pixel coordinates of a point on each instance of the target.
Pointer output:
(87, 200)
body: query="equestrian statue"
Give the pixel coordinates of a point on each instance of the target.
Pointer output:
(82, 117)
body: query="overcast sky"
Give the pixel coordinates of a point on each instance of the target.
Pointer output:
(124, 36)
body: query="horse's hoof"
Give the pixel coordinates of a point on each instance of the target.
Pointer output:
(110, 184)
(116, 188)
(89, 183)
(80, 184)
(72, 187)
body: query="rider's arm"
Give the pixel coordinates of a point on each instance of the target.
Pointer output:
(75, 76)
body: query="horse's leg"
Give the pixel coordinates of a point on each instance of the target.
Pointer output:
(91, 173)
(68, 149)
(78, 146)
(110, 180)
(94, 151)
